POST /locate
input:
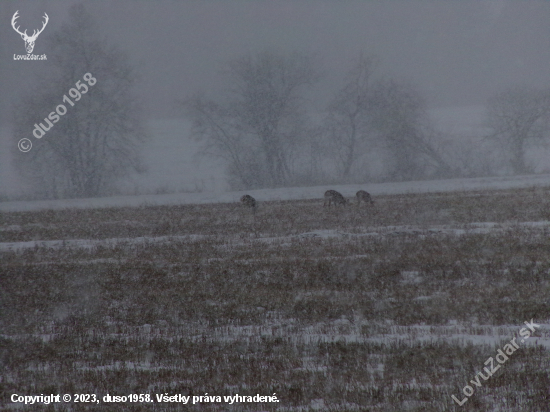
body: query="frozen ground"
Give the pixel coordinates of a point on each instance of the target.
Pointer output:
(392, 307)
(420, 231)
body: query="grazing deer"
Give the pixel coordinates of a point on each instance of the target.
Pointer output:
(332, 196)
(249, 201)
(363, 196)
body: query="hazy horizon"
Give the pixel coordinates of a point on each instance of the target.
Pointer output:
(455, 54)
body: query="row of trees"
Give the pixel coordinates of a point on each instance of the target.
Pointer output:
(373, 127)
(263, 127)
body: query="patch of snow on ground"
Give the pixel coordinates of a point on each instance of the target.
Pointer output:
(473, 228)
(291, 193)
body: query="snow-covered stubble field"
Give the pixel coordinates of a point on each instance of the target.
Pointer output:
(391, 307)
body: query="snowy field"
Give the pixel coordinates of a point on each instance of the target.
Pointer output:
(293, 193)
(393, 307)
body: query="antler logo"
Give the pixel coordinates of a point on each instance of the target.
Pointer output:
(29, 40)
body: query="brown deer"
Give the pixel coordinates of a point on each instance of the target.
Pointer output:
(249, 201)
(363, 196)
(332, 196)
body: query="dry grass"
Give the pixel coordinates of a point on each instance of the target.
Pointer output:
(368, 317)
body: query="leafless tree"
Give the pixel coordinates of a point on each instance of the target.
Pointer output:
(258, 125)
(349, 122)
(97, 140)
(518, 117)
(401, 123)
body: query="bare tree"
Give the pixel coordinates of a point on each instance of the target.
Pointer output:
(349, 122)
(401, 123)
(86, 147)
(519, 117)
(217, 127)
(259, 124)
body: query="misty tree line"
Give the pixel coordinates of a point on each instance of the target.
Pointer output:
(262, 129)
(373, 128)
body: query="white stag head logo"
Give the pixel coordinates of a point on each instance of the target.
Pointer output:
(29, 40)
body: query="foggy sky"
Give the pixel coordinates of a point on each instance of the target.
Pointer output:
(454, 52)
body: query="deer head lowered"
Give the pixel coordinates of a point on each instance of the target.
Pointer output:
(29, 40)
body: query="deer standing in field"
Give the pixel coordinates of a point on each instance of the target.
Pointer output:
(332, 196)
(363, 196)
(249, 201)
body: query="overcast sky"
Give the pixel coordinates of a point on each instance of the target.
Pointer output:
(454, 52)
